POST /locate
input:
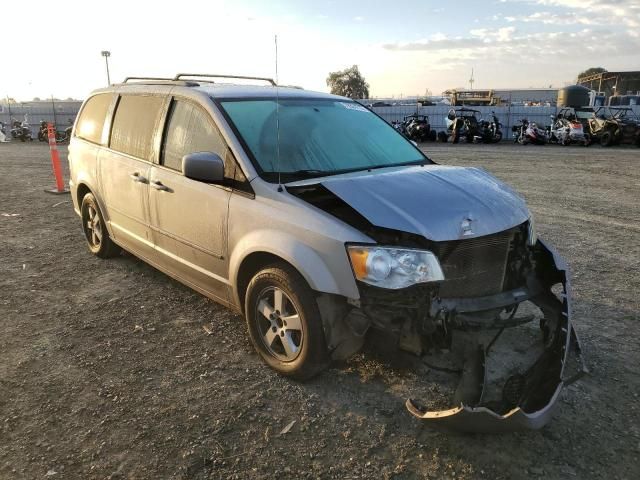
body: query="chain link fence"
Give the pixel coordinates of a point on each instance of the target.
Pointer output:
(508, 115)
(60, 112)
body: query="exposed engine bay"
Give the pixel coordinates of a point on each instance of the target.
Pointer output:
(492, 284)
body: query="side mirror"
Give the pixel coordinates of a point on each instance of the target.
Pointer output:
(203, 166)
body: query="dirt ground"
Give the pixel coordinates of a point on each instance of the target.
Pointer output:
(106, 371)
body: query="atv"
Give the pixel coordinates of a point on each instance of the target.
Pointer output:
(418, 128)
(579, 114)
(462, 123)
(566, 129)
(615, 125)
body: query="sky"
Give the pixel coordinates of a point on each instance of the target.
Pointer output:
(402, 47)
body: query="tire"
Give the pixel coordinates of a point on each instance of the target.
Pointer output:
(432, 135)
(442, 137)
(95, 230)
(606, 139)
(299, 352)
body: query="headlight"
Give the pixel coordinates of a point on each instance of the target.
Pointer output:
(388, 267)
(532, 238)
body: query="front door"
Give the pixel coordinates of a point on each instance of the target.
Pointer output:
(189, 218)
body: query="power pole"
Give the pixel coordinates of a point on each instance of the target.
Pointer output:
(471, 81)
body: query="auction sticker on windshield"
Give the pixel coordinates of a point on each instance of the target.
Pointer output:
(353, 106)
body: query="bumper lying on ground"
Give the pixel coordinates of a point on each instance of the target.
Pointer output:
(543, 381)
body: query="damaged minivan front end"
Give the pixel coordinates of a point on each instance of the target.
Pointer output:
(453, 264)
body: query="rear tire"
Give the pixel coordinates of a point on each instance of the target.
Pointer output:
(284, 322)
(95, 229)
(606, 139)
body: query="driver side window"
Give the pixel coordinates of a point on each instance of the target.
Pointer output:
(189, 130)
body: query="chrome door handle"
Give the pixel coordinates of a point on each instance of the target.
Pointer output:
(158, 185)
(136, 177)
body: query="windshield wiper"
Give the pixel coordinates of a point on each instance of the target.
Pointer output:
(308, 172)
(374, 167)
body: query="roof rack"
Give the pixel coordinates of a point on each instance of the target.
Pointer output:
(161, 80)
(209, 75)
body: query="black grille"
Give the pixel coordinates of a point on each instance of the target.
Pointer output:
(474, 267)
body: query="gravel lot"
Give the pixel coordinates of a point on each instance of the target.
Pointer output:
(106, 371)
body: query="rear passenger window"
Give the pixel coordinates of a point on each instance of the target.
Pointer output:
(134, 125)
(189, 130)
(92, 117)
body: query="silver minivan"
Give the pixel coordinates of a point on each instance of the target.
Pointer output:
(325, 227)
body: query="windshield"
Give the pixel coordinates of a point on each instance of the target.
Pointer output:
(584, 114)
(317, 137)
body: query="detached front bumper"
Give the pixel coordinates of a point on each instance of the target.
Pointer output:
(543, 381)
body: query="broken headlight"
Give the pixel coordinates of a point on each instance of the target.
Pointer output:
(388, 267)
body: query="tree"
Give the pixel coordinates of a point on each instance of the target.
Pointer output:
(348, 83)
(592, 71)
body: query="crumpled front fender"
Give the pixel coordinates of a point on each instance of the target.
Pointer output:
(544, 379)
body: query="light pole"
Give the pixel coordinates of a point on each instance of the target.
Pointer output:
(106, 54)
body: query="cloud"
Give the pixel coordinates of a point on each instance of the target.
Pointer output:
(605, 12)
(506, 41)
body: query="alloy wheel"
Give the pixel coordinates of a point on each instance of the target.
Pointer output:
(278, 324)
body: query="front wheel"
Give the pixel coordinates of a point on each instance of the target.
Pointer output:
(284, 323)
(95, 230)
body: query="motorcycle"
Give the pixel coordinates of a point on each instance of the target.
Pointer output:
(21, 130)
(490, 131)
(61, 136)
(566, 131)
(529, 132)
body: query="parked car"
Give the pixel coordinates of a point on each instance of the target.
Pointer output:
(615, 125)
(323, 226)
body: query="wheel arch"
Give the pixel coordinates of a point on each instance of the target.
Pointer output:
(261, 248)
(82, 189)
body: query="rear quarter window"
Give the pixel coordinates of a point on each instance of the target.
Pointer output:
(92, 118)
(135, 123)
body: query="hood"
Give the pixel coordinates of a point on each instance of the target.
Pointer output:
(438, 202)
